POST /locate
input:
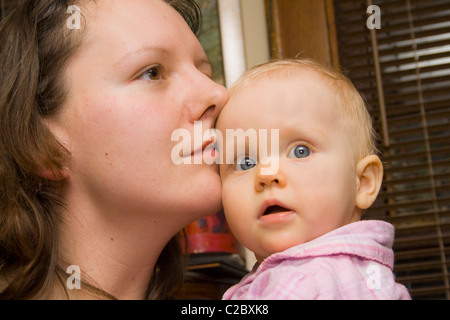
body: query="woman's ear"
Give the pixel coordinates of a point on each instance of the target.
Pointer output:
(49, 174)
(54, 169)
(369, 178)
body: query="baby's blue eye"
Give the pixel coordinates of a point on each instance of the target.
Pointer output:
(300, 152)
(245, 163)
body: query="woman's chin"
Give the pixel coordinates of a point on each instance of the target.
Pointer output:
(207, 196)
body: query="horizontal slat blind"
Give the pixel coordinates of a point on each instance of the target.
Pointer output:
(412, 53)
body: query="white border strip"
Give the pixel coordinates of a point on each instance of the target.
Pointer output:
(232, 40)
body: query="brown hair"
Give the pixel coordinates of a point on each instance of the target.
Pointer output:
(353, 110)
(35, 47)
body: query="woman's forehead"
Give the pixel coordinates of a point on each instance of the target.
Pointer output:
(122, 20)
(120, 28)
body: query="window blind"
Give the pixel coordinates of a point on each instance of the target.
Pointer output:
(403, 70)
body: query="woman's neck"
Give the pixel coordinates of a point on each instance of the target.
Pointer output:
(114, 251)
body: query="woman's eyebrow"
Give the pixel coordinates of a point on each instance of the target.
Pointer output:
(141, 51)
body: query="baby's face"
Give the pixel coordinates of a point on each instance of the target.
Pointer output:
(313, 187)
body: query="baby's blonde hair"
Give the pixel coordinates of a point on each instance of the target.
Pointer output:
(353, 111)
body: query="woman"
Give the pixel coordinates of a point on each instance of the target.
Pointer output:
(86, 175)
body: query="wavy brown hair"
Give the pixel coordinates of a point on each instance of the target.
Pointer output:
(35, 47)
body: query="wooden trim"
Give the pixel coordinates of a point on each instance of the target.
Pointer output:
(332, 34)
(302, 28)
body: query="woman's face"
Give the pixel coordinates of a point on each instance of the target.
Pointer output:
(140, 74)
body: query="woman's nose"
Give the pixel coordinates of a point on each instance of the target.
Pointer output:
(265, 179)
(208, 101)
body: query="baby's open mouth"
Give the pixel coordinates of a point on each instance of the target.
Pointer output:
(274, 209)
(274, 212)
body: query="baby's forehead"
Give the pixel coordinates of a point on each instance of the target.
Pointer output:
(279, 94)
(289, 77)
(350, 107)
(281, 81)
(281, 73)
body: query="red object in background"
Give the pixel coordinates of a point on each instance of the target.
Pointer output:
(211, 234)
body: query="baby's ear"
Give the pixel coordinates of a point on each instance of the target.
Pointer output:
(369, 178)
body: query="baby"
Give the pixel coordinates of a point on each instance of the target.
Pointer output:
(301, 217)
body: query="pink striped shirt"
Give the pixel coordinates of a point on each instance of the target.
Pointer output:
(352, 262)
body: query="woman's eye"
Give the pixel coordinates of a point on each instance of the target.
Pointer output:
(245, 163)
(153, 74)
(299, 152)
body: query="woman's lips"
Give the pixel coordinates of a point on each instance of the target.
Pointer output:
(209, 146)
(206, 146)
(206, 154)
